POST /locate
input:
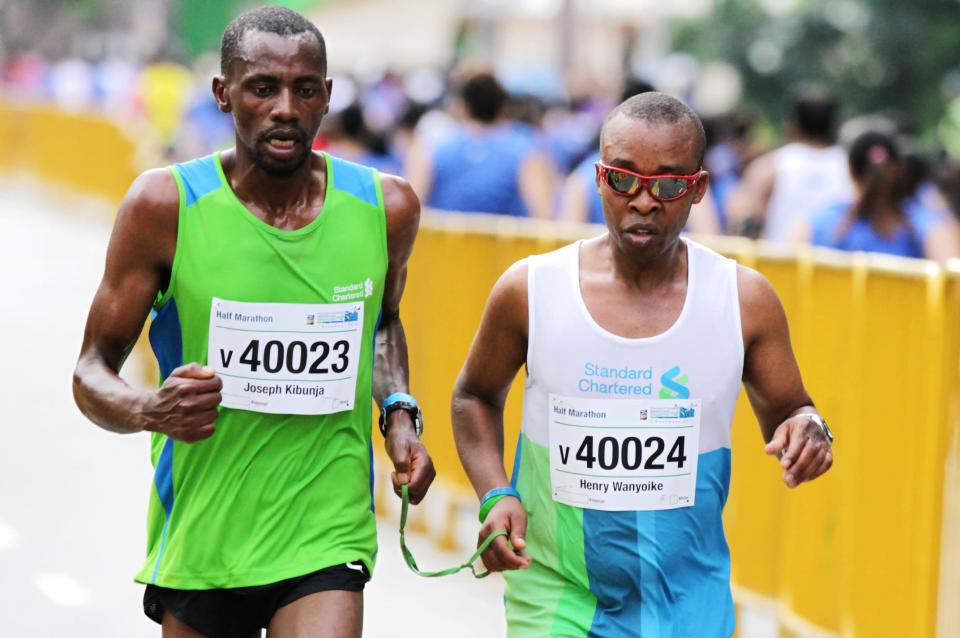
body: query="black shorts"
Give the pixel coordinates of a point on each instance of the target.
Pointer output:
(241, 611)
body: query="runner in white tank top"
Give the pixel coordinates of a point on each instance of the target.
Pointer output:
(635, 344)
(781, 190)
(807, 179)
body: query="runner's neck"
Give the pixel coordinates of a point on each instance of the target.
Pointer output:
(667, 268)
(289, 202)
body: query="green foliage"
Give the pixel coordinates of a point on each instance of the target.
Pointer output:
(87, 11)
(878, 56)
(200, 24)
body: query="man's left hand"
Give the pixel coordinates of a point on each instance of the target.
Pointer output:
(803, 450)
(411, 463)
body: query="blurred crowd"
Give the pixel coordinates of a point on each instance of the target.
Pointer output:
(466, 144)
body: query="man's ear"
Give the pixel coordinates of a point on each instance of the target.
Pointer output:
(220, 94)
(329, 84)
(701, 187)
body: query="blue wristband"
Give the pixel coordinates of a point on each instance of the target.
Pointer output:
(492, 497)
(397, 396)
(500, 491)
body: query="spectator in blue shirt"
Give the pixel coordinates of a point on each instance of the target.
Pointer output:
(349, 137)
(485, 163)
(881, 218)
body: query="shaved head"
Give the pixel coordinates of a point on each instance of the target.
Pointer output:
(278, 20)
(660, 108)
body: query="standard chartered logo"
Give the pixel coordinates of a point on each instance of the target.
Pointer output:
(674, 384)
(631, 381)
(352, 292)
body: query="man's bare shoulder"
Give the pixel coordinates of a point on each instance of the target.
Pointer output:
(155, 188)
(759, 303)
(153, 195)
(755, 289)
(508, 299)
(513, 281)
(145, 230)
(402, 210)
(399, 200)
(761, 168)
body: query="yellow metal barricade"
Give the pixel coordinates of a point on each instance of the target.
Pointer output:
(83, 153)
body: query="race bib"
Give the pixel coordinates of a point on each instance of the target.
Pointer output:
(286, 358)
(622, 455)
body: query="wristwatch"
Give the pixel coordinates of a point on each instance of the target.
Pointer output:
(401, 401)
(819, 420)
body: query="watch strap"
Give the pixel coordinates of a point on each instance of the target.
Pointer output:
(397, 397)
(401, 401)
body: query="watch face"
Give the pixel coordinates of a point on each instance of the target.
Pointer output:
(819, 420)
(418, 423)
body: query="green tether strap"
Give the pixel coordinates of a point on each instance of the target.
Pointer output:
(412, 564)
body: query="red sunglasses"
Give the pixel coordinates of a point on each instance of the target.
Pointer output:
(662, 187)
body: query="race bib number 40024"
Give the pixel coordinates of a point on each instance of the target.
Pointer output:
(286, 358)
(622, 455)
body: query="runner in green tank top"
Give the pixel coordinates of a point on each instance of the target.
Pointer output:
(274, 275)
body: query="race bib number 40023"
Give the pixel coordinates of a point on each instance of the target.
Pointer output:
(286, 358)
(624, 454)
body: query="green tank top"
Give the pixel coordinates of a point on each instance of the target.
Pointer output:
(269, 496)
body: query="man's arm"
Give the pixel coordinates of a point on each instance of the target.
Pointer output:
(498, 351)
(943, 242)
(576, 199)
(418, 168)
(138, 263)
(703, 216)
(537, 182)
(747, 209)
(391, 372)
(772, 380)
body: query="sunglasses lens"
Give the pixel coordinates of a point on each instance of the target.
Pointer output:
(622, 182)
(667, 187)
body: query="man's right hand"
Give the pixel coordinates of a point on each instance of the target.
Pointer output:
(185, 406)
(507, 514)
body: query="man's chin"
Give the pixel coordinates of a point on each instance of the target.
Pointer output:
(280, 169)
(648, 250)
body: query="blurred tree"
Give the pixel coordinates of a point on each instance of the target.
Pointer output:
(878, 56)
(200, 24)
(84, 8)
(48, 26)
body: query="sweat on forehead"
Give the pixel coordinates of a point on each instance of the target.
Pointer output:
(659, 108)
(278, 20)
